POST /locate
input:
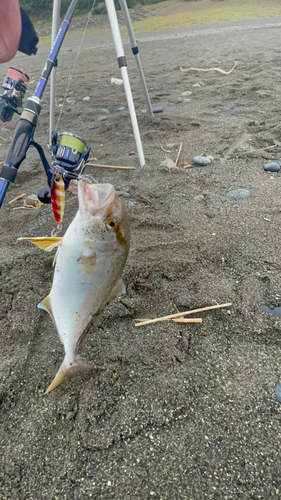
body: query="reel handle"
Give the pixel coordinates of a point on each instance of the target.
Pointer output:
(16, 154)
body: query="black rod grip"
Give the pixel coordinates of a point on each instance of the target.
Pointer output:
(20, 144)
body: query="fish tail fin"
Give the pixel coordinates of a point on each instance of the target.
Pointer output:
(68, 370)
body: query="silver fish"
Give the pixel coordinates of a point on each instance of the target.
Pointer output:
(88, 267)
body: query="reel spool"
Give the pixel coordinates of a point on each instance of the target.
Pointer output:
(72, 151)
(14, 88)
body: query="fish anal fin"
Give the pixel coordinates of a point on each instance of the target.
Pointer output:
(68, 370)
(46, 306)
(45, 243)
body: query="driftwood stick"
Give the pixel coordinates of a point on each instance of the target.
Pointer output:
(108, 166)
(178, 155)
(17, 198)
(179, 320)
(212, 69)
(177, 315)
(187, 320)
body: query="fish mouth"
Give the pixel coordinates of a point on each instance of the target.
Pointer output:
(94, 197)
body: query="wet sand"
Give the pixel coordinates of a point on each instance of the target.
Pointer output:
(183, 411)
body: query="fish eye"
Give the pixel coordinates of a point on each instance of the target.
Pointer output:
(111, 223)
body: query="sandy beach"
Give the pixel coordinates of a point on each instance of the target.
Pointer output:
(184, 411)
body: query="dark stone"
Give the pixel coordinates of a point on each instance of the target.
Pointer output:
(273, 166)
(276, 311)
(278, 392)
(157, 110)
(160, 94)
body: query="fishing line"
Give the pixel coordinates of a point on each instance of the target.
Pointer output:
(88, 178)
(75, 62)
(56, 230)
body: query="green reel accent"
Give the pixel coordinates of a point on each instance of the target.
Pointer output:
(72, 141)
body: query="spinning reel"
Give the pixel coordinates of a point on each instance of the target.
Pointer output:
(70, 154)
(14, 88)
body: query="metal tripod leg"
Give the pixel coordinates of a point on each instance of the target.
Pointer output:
(135, 51)
(123, 67)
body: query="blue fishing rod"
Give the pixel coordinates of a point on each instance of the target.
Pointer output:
(23, 136)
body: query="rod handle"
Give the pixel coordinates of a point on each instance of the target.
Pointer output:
(16, 154)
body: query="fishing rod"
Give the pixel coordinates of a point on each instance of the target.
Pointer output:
(23, 136)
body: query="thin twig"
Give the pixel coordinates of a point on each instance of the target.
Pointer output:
(108, 166)
(27, 207)
(178, 155)
(262, 149)
(166, 150)
(178, 320)
(144, 200)
(17, 198)
(177, 315)
(187, 320)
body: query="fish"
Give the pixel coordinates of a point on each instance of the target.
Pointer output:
(58, 197)
(88, 270)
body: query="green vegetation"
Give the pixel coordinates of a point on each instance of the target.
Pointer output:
(164, 15)
(42, 9)
(173, 14)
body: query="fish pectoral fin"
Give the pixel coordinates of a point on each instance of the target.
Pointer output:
(46, 306)
(68, 370)
(45, 243)
(118, 289)
(55, 257)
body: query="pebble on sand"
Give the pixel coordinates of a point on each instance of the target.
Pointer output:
(161, 94)
(101, 118)
(273, 166)
(196, 85)
(278, 392)
(32, 199)
(187, 92)
(202, 160)
(121, 109)
(238, 193)
(104, 110)
(87, 98)
(199, 197)
(157, 110)
(235, 112)
(122, 194)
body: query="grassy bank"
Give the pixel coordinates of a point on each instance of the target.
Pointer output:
(173, 14)
(177, 14)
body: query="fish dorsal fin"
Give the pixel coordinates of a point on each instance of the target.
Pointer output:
(46, 306)
(45, 243)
